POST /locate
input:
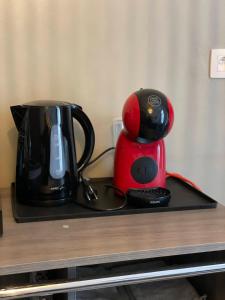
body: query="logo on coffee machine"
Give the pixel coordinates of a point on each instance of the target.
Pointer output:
(154, 100)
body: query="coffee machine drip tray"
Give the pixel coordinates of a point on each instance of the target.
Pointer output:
(183, 197)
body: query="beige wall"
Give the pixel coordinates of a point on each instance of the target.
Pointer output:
(96, 52)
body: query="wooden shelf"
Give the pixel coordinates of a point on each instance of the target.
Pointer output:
(29, 247)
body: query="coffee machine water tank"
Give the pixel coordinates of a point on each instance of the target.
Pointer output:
(47, 168)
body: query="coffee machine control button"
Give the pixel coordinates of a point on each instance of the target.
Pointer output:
(144, 169)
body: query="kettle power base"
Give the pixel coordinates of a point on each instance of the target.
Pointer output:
(183, 197)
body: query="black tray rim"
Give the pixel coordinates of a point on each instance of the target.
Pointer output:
(94, 213)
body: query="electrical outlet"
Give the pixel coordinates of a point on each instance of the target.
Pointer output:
(117, 127)
(217, 65)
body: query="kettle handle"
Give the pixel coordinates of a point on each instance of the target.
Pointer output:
(81, 117)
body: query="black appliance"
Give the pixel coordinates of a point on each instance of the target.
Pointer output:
(47, 170)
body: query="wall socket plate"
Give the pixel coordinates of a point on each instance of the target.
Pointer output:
(117, 126)
(217, 63)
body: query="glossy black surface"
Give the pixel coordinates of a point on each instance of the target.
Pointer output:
(153, 197)
(47, 168)
(183, 197)
(47, 103)
(144, 169)
(154, 115)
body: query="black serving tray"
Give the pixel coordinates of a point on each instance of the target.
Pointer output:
(183, 197)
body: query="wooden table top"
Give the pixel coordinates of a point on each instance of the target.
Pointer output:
(27, 247)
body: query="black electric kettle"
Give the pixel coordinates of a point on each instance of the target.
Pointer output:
(47, 169)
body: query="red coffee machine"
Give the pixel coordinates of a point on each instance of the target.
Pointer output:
(140, 151)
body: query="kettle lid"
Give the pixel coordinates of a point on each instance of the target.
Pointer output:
(42, 103)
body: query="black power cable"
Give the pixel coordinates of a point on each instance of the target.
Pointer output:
(99, 156)
(94, 160)
(81, 177)
(89, 192)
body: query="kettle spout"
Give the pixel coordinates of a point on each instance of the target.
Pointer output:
(18, 112)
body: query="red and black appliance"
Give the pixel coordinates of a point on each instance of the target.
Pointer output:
(140, 151)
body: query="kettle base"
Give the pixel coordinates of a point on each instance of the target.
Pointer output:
(44, 203)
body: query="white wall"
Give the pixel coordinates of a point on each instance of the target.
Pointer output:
(97, 52)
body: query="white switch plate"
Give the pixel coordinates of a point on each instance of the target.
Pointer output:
(217, 64)
(117, 126)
